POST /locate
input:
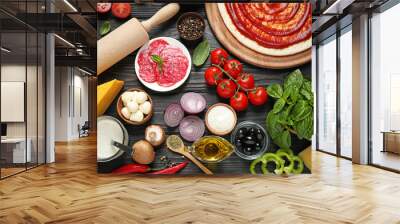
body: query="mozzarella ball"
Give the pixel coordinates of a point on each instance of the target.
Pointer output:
(141, 97)
(145, 107)
(126, 113)
(137, 116)
(133, 106)
(126, 98)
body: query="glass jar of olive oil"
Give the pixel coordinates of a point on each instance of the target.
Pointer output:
(211, 149)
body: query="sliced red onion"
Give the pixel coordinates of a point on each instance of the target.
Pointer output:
(191, 128)
(193, 103)
(173, 115)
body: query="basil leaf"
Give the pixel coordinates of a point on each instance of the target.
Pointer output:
(105, 28)
(283, 140)
(283, 116)
(274, 128)
(306, 91)
(305, 128)
(294, 79)
(300, 110)
(278, 106)
(201, 52)
(158, 60)
(275, 90)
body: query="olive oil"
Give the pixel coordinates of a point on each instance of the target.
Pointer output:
(212, 149)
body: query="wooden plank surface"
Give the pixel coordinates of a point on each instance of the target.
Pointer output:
(125, 70)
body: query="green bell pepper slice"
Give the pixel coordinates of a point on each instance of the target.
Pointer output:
(289, 168)
(267, 157)
(288, 151)
(300, 165)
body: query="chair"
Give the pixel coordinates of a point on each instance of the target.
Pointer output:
(84, 130)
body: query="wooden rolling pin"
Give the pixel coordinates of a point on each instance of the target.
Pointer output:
(128, 37)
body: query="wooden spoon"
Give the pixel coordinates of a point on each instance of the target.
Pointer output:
(175, 144)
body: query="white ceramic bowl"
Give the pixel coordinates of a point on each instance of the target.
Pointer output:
(154, 86)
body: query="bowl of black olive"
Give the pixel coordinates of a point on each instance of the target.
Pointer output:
(250, 140)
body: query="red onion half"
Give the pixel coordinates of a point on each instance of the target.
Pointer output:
(193, 103)
(191, 128)
(173, 115)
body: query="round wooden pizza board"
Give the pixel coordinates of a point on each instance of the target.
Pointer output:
(246, 54)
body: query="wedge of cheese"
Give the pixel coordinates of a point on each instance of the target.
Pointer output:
(106, 94)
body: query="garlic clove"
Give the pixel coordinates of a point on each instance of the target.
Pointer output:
(141, 97)
(137, 116)
(126, 98)
(133, 106)
(145, 107)
(126, 113)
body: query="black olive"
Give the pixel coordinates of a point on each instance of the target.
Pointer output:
(248, 150)
(259, 131)
(252, 130)
(249, 137)
(242, 131)
(249, 143)
(258, 148)
(258, 144)
(260, 137)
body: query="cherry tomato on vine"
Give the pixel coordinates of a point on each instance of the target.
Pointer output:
(103, 7)
(233, 67)
(219, 56)
(226, 88)
(258, 96)
(213, 76)
(121, 10)
(246, 81)
(239, 101)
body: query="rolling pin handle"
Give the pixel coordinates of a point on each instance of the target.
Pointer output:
(164, 14)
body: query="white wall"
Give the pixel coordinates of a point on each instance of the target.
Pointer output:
(70, 83)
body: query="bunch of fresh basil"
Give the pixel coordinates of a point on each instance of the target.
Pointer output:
(293, 110)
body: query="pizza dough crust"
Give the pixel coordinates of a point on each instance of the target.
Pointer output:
(294, 49)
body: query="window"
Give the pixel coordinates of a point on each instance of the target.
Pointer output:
(327, 96)
(385, 89)
(346, 92)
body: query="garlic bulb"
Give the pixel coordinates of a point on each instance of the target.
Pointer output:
(145, 107)
(133, 106)
(126, 113)
(126, 98)
(141, 97)
(137, 116)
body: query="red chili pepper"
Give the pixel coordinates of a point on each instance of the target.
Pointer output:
(172, 170)
(132, 168)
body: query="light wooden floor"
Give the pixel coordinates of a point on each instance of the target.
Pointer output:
(70, 191)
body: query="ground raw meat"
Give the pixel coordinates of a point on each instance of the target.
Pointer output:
(175, 64)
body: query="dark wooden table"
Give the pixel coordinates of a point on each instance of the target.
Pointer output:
(125, 70)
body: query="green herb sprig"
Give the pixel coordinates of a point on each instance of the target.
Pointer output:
(293, 111)
(105, 28)
(159, 61)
